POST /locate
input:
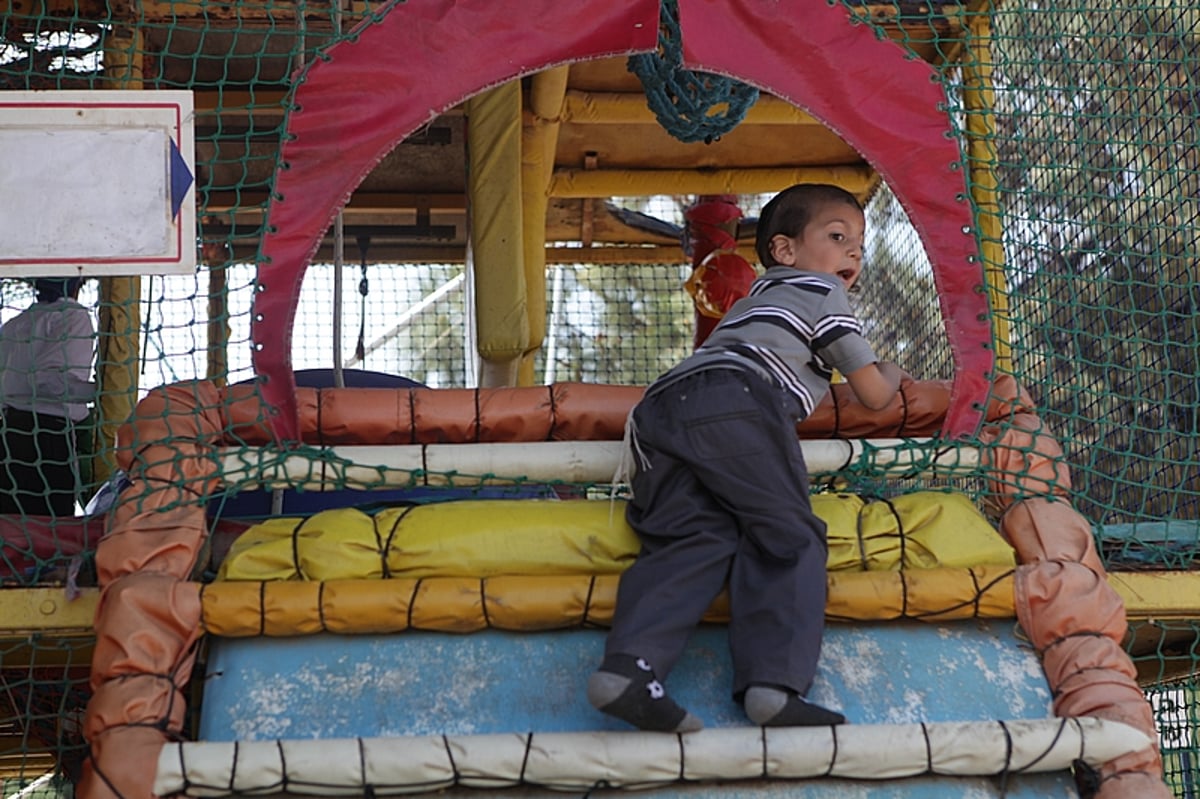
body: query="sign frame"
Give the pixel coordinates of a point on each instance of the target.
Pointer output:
(97, 183)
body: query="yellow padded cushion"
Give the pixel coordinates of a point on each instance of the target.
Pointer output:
(485, 538)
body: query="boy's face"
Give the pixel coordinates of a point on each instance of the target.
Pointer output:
(831, 243)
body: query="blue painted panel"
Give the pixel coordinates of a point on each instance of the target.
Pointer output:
(438, 683)
(425, 683)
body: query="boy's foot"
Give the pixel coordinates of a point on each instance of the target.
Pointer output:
(625, 687)
(769, 706)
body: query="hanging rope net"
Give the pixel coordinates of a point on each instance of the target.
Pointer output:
(691, 106)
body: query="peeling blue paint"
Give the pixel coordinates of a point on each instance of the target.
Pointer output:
(439, 683)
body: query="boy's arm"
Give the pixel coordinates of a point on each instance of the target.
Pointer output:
(876, 384)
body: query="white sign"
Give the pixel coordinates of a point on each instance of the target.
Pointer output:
(97, 183)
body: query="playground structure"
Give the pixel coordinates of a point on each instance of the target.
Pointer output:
(189, 442)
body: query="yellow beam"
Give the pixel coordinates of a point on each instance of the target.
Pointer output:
(979, 101)
(582, 183)
(1158, 596)
(26, 765)
(1148, 595)
(630, 108)
(120, 314)
(46, 610)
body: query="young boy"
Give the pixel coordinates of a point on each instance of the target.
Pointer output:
(720, 488)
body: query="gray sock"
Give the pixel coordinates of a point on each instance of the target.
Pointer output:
(769, 706)
(626, 688)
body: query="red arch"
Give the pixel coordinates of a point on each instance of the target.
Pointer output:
(425, 56)
(373, 90)
(892, 110)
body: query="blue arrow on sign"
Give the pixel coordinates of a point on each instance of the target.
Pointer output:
(181, 179)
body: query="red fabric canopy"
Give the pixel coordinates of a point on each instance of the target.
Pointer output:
(423, 57)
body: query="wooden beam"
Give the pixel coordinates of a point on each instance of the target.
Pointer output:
(247, 202)
(621, 256)
(239, 101)
(858, 180)
(26, 765)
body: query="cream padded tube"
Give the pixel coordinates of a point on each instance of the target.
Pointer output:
(582, 760)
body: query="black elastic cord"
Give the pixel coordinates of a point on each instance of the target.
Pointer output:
(587, 602)
(862, 543)
(1008, 753)
(412, 416)
(296, 546)
(450, 757)
(525, 758)
(1069, 636)
(483, 602)
(107, 781)
(386, 546)
(362, 769)
(283, 772)
(321, 606)
(900, 527)
(596, 785)
(262, 607)
(1062, 725)
(232, 768)
(833, 755)
(412, 601)
(553, 414)
(360, 349)
(478, 417)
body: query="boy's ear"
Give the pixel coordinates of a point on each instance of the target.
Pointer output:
(783, 250)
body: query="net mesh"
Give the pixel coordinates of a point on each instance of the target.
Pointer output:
(1090, 141)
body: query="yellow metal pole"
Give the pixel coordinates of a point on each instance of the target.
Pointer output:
(979, 101)
(120, 297)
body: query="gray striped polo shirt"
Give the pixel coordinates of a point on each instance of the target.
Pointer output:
(794, 328)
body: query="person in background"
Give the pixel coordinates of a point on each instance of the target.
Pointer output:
(720, 487)
(46, 355)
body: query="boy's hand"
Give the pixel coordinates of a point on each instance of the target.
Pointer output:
(876, 384)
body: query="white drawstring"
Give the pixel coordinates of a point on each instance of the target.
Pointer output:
(629, 447)
(623, 475)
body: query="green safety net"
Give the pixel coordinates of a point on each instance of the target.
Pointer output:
(1088, 206)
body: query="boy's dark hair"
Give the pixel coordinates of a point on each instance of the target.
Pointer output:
(789, 211)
